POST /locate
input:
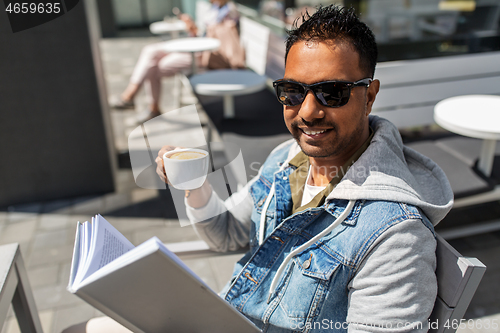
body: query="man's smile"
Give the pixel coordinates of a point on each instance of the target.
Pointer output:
(315, 133)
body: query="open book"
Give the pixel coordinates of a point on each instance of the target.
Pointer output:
(145, 288)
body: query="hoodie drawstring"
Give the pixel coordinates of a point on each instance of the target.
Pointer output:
(301, 248)
(262, 225)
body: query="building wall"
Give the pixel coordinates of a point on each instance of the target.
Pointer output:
(54, 141)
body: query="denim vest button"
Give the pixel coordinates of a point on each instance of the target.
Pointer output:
(260, 203)
(285, 178)
(306, 264)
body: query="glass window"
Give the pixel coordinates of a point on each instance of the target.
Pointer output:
(404, 29)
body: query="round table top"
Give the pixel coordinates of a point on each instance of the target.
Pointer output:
(476, 116)
(192, 44)
(228, 82)
(164, 27)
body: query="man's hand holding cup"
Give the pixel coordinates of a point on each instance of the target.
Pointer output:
(185, 169)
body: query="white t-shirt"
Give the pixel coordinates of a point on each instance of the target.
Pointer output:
(310, 191)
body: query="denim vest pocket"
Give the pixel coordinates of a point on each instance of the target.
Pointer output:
(259, 192)
(307, 285)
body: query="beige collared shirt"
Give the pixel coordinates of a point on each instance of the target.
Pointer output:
(298, 178)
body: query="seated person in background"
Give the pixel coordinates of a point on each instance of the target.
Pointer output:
(340, 218)
(155, 63)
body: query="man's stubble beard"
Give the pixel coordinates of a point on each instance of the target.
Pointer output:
(334, 148)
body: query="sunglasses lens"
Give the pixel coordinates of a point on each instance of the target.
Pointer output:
(290, 93)
(332, 94)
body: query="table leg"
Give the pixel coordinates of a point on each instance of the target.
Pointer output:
(487, 156)
(177, 91)
(193, 63)
(228, 106)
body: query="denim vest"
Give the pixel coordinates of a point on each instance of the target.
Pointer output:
(312, 293)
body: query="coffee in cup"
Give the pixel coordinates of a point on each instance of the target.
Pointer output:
(186, 155)
(187, 168)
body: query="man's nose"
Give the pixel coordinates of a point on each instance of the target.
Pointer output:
(310, 109)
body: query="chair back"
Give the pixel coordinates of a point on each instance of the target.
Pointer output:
(410, 89)
(458, 278)
(255, 39)
(202, 8)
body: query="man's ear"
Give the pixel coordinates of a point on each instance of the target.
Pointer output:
(371, 93)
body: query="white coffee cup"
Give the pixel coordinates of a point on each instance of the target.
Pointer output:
(186, 174)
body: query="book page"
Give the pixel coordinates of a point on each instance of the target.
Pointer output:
(105, 245)
(113, 247)
(75, 262)
(84, 235)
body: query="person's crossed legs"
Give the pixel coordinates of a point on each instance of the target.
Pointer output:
(153, 64)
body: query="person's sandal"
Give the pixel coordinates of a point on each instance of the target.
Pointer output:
(120, 104)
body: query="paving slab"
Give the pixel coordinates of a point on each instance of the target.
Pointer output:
(46, 318)
(52, 238)
(19, 231)
(54, 297)
(71, 315)
(115, 201)
(134, 223)
(16, 216)
(55, 255)
(45, 275)
(205, 271)
(64, 272)
(166, 235)
(139, 195)
(88, 205)
(53, 221)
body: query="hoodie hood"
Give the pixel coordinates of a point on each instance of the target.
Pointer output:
(389, 171)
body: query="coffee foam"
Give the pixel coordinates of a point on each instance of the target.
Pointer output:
(186, 155)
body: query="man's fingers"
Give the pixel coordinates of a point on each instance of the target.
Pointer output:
(160, 169)
(165, 149)
(159, 165)
(161, 173)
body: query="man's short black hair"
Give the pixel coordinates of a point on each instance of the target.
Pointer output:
(338, 24)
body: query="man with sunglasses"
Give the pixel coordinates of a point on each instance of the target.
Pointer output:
(339, 219)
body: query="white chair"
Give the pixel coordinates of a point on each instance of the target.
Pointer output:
(15, 289)
(458, 278)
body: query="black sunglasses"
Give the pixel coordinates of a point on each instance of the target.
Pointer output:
(333, 94)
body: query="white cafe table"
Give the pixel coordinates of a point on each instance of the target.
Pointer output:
(228, 83)
(192, 45)
(168, 27)
(476, 116)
